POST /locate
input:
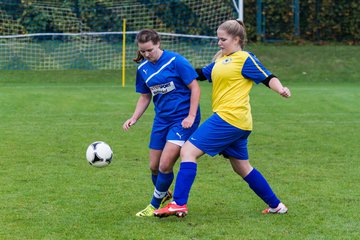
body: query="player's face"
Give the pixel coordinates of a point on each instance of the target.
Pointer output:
(150, 51)
(227, 43)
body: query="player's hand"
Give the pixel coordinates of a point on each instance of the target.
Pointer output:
(285, 92)
(188, 122)
(128, 124)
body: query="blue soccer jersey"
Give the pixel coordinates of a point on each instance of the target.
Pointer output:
(167, 81)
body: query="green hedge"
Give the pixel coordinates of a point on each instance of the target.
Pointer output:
(320, 20)
(331, 20)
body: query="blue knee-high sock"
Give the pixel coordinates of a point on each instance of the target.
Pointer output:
(154, 178)
(163, 183)
(184, 181)
(261, 187)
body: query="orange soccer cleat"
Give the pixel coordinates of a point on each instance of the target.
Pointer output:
(172, 209)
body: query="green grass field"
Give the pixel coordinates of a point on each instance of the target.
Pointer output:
(307, 147)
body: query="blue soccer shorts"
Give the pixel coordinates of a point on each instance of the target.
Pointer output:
(174, 132)
(215, 136)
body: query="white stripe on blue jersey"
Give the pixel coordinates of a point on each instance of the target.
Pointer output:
(162, 67)
(143, 64)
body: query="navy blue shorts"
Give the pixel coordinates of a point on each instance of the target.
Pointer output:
(175, 133)
(215, 136)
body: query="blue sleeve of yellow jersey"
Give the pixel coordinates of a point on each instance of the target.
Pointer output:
(254, 70)
(207, 71)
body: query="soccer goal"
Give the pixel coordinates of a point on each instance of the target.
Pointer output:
(47, 35)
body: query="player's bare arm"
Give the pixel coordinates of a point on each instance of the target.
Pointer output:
(141, 106)
(276, 85)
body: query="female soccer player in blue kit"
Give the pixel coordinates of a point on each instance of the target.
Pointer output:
(226, 132)
(170, 80)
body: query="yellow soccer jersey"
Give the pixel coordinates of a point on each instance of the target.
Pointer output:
(233, 77)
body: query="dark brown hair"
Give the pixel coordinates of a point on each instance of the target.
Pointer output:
(144, 36)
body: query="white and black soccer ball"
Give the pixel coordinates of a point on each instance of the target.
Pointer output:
(99, 154)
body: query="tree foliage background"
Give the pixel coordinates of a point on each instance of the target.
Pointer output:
(320, 20)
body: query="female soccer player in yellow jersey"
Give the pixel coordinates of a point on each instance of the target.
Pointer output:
(232, 74)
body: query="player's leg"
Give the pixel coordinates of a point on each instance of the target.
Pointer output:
(237, 152)
(258, 184)
(176, 137)
(165, 178)
(154, 162)
(169, 139)
(187, 172)
(211, 138)
(168, 157)
(156, 145)
(184, 182)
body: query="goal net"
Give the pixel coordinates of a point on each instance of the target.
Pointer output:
(52, 35)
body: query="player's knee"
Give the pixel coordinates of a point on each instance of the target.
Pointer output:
(241, 167)
(165, 168)
(187, 155)
(154, 169)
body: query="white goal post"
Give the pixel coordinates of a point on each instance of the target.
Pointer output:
(239, 6)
